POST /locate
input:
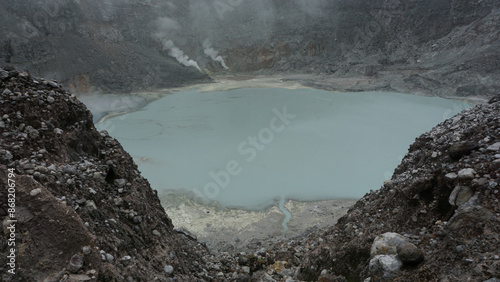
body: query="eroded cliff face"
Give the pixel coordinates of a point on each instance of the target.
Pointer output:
(445, 48)
(91, 45)
(83, 210)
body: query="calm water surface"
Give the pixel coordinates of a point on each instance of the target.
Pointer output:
(249, 147)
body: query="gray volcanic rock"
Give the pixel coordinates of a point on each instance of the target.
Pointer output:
(460, 149)
(409, 253)
(68, 219)
(386, 244)
(433, 47)
(91, 46)
(385, 267)
(460, 195)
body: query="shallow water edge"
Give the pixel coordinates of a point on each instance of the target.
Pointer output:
(238, 229)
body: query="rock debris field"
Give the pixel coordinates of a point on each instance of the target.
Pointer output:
(85, 213)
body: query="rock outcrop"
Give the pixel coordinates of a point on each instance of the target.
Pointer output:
(83, 211)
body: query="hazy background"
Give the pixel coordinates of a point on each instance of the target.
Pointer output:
(440, 47)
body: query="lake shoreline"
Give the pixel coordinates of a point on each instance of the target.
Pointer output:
(289, 81)
(240, 229)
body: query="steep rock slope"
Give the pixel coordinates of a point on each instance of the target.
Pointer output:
(443, 198)
(437, 47)
(83, 210)
(447, 48)
(91, 45)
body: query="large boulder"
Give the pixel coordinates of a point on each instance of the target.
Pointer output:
(385, 267)
(386, 244)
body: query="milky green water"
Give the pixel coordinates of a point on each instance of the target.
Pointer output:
(251, 147)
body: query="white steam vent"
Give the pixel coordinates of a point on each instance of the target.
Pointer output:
(212, 53)
(166, 28)
(179, 54)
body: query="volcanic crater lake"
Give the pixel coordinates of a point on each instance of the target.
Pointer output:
(249, 147)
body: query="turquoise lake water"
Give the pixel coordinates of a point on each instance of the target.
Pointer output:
(250, 147)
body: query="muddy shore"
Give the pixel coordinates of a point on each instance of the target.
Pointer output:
(225, 229)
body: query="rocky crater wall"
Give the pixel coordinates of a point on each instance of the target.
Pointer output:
(442, 48)
(84, 212)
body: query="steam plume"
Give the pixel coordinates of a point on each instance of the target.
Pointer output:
(167, 27)
(179, 54)
(209, 51)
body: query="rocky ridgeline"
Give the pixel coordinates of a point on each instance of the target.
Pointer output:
(85, 213)
(434, 47)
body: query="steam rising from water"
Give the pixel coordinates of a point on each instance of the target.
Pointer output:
(209, 51)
